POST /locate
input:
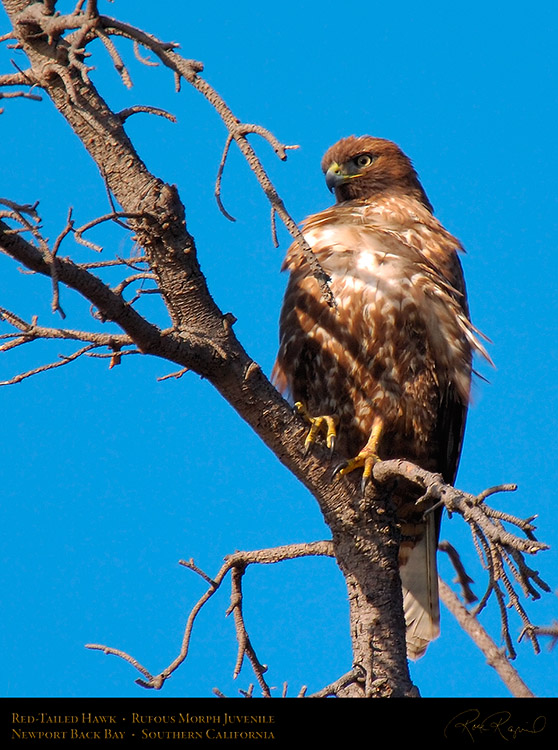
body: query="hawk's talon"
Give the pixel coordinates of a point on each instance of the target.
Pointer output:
(339, 468)
(319, 424)
(367, 457)
(365, 460)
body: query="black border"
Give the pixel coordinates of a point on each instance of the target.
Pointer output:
(278, 723)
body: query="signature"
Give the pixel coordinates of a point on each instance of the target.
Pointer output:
(472, 724)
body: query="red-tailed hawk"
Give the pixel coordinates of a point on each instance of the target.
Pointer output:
(390, 365)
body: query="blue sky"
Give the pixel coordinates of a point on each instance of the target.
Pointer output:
(110, 477)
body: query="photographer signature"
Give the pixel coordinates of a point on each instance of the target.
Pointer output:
(470, 723)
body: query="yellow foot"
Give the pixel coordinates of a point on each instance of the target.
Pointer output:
(325, 424)
(366, 458)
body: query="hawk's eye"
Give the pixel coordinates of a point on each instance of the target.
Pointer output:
(363, 160)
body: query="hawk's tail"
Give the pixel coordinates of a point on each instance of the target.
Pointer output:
(419, 579)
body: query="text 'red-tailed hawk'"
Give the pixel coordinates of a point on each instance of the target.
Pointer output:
(390, 366)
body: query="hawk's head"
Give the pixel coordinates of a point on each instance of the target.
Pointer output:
(366, 166)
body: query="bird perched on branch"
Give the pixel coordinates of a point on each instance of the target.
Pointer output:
(385, 373)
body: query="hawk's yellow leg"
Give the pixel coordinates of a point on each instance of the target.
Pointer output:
(368, 456)
(325, 424)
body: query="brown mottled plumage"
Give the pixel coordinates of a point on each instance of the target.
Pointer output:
(393, 361)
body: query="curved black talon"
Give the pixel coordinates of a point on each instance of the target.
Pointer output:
(363, 483)
(339, 468)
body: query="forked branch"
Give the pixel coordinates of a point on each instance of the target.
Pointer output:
(236, 564)
(501, 551)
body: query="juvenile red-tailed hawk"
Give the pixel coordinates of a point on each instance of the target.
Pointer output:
(390, 366)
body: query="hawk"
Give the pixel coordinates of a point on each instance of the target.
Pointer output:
(386, 372)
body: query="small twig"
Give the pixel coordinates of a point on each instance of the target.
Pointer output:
(112, 216)
(222, 208)
(129, 111)
(19, 94)
(119, 288)
(19, 341)
(54, 271)
(245, 647)
(19, 213)
(65, 359)
(142, 59)
(175, 375)
(114, 356)
(462, 578)
(274, 227)
(481, 497)
(334, 688)
(123, 655)
(131, 263)
(21, 78)
(551, 631)
(115, 57)
(247, 693)
(191, 565)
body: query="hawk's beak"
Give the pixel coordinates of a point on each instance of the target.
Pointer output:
(337, 175)
(334, 176)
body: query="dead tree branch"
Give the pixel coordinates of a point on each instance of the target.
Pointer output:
(501, 551)
(236, 564)
(495, 656)
(189, 70)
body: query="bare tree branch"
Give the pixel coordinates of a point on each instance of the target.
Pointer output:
(495, 657)
(236, 564)
(129, 111)
(189, 70)
(501, 551)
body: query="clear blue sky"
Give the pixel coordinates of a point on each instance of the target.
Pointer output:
(110, 477)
